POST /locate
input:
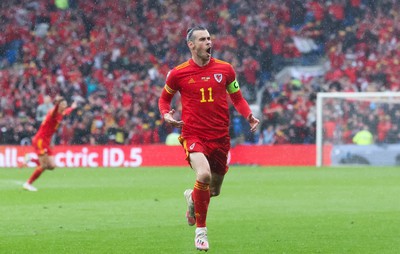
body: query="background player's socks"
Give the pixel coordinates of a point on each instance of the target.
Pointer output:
(34, 161)
(35, 175)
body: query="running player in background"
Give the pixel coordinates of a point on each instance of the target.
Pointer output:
(42, 140)
(204, 83)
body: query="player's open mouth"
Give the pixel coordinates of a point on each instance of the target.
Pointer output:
(208, 51)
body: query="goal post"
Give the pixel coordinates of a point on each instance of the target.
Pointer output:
(374, 116)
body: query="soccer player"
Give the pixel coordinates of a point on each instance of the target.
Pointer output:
(204, 84)
(42, 140)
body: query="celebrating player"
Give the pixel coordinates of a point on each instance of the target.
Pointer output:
(203, 83)
(41, 141)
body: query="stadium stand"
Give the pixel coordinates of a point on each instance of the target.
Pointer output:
(112, 57)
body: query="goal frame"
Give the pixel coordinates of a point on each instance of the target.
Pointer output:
(340, 95)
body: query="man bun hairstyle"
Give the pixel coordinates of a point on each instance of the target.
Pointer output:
(189, 32)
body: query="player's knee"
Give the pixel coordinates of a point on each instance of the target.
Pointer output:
(51, 167)
(204, 177)
(214, 192)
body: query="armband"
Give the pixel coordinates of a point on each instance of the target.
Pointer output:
(233, 87)
(169, 89)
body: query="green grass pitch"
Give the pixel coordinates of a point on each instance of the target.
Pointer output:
(260, 210)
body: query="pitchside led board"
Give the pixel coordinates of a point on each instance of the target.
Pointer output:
(158, 155)
(358, 129)
(377, 155)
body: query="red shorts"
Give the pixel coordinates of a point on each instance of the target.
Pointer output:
(216, 151)
(41, 146)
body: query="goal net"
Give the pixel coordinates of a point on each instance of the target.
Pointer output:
(358, 129)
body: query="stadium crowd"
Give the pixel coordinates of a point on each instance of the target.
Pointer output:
(112, 57)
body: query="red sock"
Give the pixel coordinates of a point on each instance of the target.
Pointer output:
(35, 175)
(35, 161)
(201, 199)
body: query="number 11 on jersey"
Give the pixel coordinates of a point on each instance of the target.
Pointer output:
(210, 98)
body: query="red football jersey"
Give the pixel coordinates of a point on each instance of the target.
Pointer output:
(50, 124)
(204, 97)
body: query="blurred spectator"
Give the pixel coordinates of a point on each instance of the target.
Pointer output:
(363, 137)
(116, 135)
(393, 135)
(172, 138)
(81, 132)
(43, 108)
(267, 135)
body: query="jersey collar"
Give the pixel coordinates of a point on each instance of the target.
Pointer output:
(192, 63)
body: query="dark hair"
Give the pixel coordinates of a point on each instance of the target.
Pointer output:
(59, 99)
(189, 32)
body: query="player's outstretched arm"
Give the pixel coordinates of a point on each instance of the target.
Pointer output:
(243, 108)
(74, 105)
(69, 110)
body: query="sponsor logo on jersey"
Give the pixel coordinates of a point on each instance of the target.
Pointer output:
(191, 81)
(205, 78)
(192, 146)
(218, 77)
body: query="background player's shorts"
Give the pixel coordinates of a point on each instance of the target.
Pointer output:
(41, 147)
(216, 151)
